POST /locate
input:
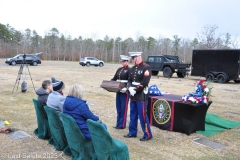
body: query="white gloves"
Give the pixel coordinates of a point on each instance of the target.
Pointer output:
(145, 90)
(132, 91)
(123, 90)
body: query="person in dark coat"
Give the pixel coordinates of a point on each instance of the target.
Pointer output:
(122, 97)
(76, 107)
(44, 91)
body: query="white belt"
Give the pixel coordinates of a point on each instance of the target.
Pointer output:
(122, 81)
(135, 83)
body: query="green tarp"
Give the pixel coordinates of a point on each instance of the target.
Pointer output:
(215, 124)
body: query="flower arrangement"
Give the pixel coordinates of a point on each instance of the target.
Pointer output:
(202, 93)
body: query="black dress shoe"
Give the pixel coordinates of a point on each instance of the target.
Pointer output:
(129, 136)
(145, 139)
(119, 128)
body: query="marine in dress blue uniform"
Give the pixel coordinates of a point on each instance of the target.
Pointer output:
(138, 80)
(122, 97)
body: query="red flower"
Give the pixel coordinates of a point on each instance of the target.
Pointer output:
(201, 81)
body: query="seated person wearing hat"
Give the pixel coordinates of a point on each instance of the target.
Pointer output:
(44, 91)
(56, 99)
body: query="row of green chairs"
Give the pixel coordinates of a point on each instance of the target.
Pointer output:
(67, 136)
(50, 127)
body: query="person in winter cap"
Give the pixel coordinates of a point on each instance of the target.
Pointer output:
(58, 85)
(56, 99)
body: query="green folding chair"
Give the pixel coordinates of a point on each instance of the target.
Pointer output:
(81, 148)
(42, 131)
(106, 147)
(57, 131)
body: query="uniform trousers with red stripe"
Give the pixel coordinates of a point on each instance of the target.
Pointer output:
(138, 109)
(122, 107)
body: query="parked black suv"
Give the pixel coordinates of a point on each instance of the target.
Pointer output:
(32, 59)
(168, 64)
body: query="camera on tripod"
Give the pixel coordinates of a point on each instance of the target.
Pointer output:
(20, 72)
(24, 57)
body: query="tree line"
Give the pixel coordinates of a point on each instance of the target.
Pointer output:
(57, 46)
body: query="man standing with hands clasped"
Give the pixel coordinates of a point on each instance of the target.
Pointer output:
(139, 77)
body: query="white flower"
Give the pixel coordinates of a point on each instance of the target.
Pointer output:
(205, 100)
(206, 90)
(192, 99)
(184, 98)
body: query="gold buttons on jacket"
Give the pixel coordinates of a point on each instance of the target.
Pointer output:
(120, 73)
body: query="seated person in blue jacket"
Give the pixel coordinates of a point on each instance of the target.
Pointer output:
(44, 91)
(56, 99)
(76, 107)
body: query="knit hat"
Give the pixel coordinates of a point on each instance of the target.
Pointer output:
(58, 85)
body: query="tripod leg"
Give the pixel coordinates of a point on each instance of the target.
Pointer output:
(18, 77)
(30, 76)
(18, 82)
(15, 84)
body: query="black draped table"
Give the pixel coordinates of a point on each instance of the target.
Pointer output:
(169, 113)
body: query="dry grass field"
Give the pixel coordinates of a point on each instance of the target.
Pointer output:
(18, 109)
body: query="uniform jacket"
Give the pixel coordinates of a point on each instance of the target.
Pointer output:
(55, 100)
(140, 73)
(42, 96)
(78, 109)
(122, 73)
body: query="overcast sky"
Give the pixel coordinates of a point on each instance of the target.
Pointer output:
(124, 18)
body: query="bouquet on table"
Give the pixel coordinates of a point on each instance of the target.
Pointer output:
(202, 93)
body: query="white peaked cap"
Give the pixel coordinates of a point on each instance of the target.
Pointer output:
(135, 54)
(125, 58)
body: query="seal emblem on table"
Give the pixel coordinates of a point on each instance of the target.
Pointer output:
(161, 111)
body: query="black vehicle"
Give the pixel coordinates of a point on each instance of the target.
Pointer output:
(168, 64)
(219, 65)
(32, 59)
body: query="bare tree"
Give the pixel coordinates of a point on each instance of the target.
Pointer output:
(209, 40)
(235, 43)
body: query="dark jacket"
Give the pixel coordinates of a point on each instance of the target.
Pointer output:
(42, 96)
(140, 73)
(121, 74)
(78, 109)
